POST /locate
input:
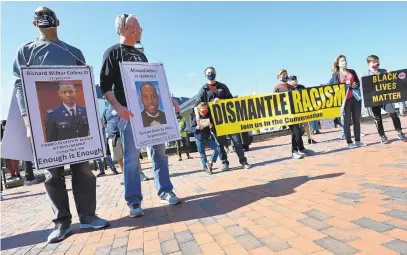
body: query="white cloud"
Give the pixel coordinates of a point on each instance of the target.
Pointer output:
(191, 74)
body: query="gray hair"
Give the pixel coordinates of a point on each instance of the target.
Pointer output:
(122, 21)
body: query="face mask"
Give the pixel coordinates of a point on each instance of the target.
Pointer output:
(46, 19)
(374, 65)
(204, 112)
(342, 64)
(284, 78)
(211, 76)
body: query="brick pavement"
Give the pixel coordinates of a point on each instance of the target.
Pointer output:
(337, 202)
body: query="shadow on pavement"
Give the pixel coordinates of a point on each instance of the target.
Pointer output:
(202, 206)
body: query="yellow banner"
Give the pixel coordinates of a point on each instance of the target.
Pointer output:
(250, 113)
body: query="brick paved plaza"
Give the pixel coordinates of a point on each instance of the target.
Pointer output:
(338, 202)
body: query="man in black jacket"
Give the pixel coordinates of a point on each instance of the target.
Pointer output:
(215, 91)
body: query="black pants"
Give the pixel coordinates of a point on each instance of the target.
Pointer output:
(83, 188)
(29, 173)
(377, 115)
(353, 111)
(185, 143)
(296, 138)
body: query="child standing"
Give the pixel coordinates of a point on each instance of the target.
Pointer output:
(204, 136)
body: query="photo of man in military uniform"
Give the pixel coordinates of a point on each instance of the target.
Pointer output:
(150, 99)
(69, 120)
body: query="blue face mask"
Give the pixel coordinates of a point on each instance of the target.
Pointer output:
(284, 79)
(342, 64)
(211, 76)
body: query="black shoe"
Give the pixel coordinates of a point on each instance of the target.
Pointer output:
(311, 141)
(208, 168)
(13, 176)
(115, 172)
(180, 159)
(19, 177)
(59, 233)
(318, 133)
(100, 175)
(189, 157)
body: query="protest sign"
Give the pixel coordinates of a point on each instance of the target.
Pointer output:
(63, 115)
(249, 113)
(148, 98)
(385, 88)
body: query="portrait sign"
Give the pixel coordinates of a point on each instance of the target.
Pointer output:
(63, 115)
(148, 98)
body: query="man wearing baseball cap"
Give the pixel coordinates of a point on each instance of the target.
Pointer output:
(50, 51)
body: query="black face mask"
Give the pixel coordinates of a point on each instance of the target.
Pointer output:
(46, 19)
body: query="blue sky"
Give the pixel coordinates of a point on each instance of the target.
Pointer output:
(247, 42)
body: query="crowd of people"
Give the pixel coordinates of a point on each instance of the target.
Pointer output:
(49, 50)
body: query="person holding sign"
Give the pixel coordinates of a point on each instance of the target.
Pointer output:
(374, 63)
(215, 91)
(353, 104)
(295, 85)
(49, 50)
(203, 133)
(297, 146)
(129, 30)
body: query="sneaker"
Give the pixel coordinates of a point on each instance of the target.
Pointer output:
(401, 136)
(225, 167)
(143, 177)
(93, 222)
(306, 152)
(59, 233)
(384, 139)
(318, 132)
(296, 155)
(352, 146)
(246, 165)
(180, 159)
(343, 137)
(360, 144)
(171, 199)
(136, 211)
(12, 177)
(29, 183)
(100, 175)
(115, 172)
(19, 177)
(189, 157)
(312, 141)
(362, 134)
(208, 168)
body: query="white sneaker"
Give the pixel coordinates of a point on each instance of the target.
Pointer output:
(352, 146)
(171, 199)
(136, 211)
(360, 144)
(296, 155)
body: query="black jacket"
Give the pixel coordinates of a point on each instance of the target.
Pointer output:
(206, 95)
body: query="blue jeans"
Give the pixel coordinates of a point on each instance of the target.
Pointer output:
(200, 145)
(131, 165)
(109, 161)
(238, 149)
(314, 126)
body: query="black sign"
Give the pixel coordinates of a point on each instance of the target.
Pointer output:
(385, 88)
